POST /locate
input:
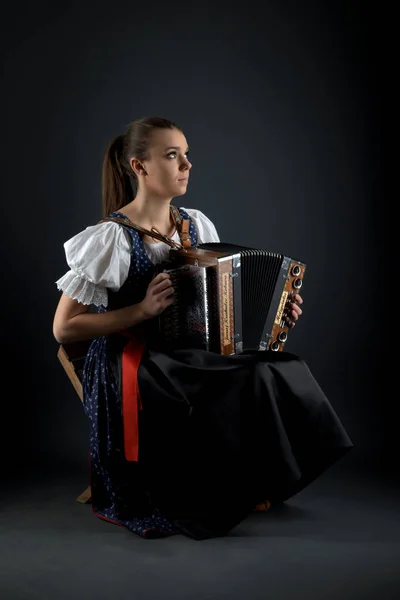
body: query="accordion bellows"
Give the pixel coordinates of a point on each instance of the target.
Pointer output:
(229, 299)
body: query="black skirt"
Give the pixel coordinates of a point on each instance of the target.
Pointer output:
(219, 434)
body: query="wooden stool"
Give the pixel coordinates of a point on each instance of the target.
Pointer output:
(72, 357)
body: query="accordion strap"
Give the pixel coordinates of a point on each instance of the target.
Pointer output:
(182, 226)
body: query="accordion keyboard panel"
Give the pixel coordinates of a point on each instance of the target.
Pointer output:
(293, 283)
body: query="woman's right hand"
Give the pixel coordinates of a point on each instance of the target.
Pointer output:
(159, 295)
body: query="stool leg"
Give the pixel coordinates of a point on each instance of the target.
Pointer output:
(85, 497)
(262, 506)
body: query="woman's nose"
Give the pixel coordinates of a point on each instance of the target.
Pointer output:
(186, 164)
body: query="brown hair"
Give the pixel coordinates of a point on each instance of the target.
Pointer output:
(118, 178)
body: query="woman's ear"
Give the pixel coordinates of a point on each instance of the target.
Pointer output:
(137, 167)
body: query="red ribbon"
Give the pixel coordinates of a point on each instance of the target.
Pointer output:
(131, 401)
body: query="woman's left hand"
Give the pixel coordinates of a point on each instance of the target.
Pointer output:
(294, 311)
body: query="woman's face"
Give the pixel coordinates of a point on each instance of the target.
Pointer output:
(166, 172)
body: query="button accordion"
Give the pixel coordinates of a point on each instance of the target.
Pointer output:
(229, 299)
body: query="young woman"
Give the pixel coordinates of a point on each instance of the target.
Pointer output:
(181, 440)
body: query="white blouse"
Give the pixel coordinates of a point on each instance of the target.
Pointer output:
(99, 258)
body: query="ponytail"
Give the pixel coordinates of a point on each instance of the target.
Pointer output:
(116, 184)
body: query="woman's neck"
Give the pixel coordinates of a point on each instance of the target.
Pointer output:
(150, 213)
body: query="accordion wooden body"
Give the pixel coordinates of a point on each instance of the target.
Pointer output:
(229, 299)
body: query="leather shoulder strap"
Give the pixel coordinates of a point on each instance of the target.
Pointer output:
(182, 226)
(153, 233)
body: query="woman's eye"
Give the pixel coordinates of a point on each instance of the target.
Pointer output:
(173, 155)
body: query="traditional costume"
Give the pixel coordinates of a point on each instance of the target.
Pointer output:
(187, 441)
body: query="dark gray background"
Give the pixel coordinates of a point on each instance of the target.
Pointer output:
(283, 107)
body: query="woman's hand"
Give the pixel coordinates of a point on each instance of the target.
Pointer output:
(158, 296)
(294, 311)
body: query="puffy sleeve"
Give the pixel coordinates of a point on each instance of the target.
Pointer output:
(99, 259)
(206, 230)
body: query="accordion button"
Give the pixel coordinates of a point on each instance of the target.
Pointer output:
(296, 270)
(274, 346)
(282, 337)
(297, 283)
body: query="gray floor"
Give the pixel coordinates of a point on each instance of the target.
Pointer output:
(339, 539)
